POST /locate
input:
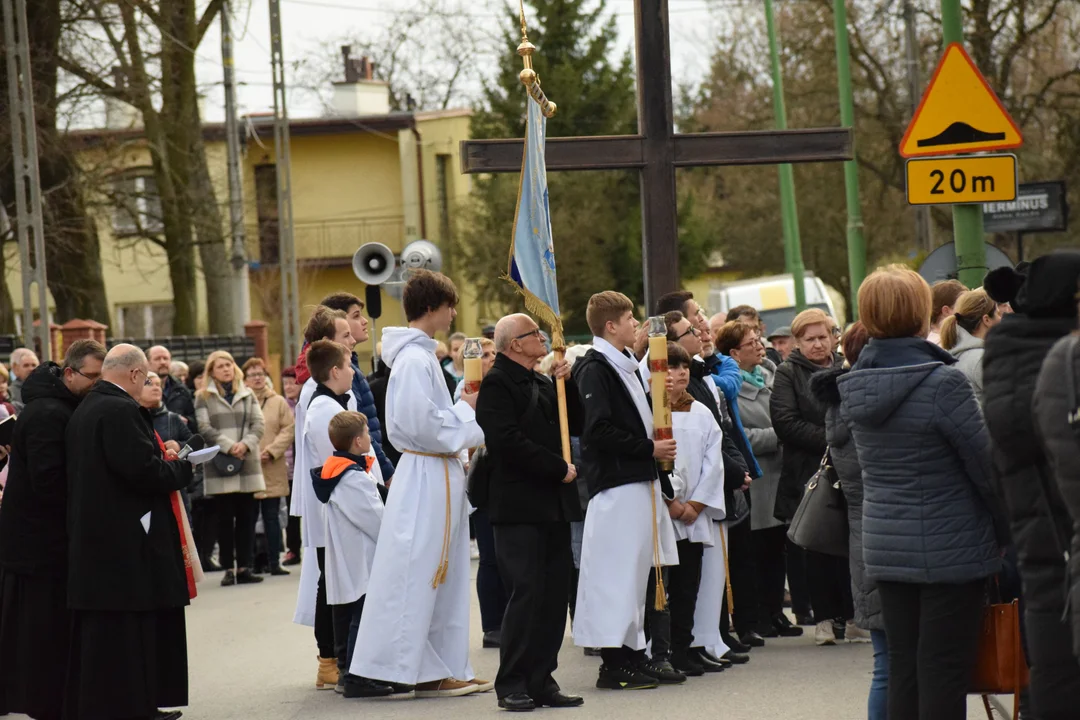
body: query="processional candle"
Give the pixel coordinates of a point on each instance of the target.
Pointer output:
(658, 367)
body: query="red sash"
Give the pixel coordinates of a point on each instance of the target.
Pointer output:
(178, 515)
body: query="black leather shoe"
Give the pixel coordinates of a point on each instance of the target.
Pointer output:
(751, 639)
(517, 702)
(246, 577)
(734, 644)
(735, 658)
(784, 627)
(686, 664)
(708, 662)
(229, 579)
(767, 630)
(279, 571)
(560, 700)
(167, 715)
(805, 620)
(492, 639)
(362, 687)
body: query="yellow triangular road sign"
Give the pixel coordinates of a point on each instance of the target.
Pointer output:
(959, 113)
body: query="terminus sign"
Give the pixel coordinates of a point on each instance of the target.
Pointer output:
(1038, 207)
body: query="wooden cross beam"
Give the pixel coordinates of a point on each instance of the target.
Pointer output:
(657, 151)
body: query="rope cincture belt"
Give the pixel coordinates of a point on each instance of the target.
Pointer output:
(444, 557)
(661, 594)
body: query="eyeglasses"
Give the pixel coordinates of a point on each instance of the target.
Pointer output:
(92, 378)
(689, 331)
(753, 343)
(135, 374)
(535, 332)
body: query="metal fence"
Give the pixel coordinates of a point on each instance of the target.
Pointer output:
(188, 348)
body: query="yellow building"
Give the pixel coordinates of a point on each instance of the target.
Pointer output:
(360, 174)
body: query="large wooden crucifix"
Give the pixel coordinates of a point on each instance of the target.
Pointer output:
(656, 151)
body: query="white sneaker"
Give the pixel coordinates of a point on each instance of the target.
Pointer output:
(855, 634)
(823, 633)
(474, 550)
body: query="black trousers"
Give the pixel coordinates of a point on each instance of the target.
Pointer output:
(744, 589)
(324, 616)
(658, 622)
(769, 549)
(933, 633)
(346, 625)
(534, 561)
(204, 527)
(684, 580)
(796, 577)
(490, 591)
(829, 578)
(236, 529)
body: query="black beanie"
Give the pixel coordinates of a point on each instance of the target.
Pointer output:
(1050, 290)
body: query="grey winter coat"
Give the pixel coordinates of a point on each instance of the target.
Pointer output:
(1051, 406)
(845, 461)
(754, 411)
(930, 514)
(220, 424)
(968, 352)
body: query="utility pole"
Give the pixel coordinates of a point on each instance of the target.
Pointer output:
(856, 244)
(967, 219)
(789, 212)
(290, 294)
(923, 230)
(28, 222)
(238, 256)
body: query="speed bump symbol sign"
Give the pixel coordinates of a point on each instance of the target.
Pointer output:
(959, 113)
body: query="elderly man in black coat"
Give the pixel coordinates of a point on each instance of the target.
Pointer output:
(34, 619)
(532, 501)
(127, 584)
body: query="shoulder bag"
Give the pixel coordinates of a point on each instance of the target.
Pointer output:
(820, 523)
(227, 465)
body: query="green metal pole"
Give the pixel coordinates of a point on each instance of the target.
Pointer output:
(788, 208)
(856, 244)
(967, 219)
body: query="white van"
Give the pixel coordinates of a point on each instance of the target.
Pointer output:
(773, 297)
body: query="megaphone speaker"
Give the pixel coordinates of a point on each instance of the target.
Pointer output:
(373, 301)
(373, 263)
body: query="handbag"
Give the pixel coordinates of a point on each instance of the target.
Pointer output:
(227, 465)
(820, 523)
(1000, 666)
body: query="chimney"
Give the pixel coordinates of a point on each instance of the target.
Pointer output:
(360, 93)
(118, 114)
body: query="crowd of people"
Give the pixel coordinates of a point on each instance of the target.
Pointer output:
(948, 415)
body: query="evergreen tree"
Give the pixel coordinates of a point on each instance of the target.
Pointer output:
(595, 216)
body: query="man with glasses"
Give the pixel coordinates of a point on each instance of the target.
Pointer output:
(532, 500)
(175, 395)
(34, 619)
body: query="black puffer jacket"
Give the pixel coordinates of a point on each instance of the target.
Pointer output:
(845, 459)
(33, 517)
(1038, 519)
(1052, 404)
(799, 421)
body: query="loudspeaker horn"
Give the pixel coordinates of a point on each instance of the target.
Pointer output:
(421, 255)
(373, 263)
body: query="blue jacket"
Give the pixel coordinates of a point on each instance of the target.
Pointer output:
(365, 403)
(726, 375)
(930, 513)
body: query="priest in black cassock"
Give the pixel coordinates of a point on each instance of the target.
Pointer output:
(127, 583)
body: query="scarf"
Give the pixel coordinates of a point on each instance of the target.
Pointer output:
(627, 370)
(755, 378)
(681, 402)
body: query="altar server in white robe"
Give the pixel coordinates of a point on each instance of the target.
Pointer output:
(627, 528)
(698, 486)
(415, 629)
(353, 501)
(311, 606)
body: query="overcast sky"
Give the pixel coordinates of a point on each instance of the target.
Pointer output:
(306, 23)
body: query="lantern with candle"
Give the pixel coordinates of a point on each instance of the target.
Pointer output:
(474, 368)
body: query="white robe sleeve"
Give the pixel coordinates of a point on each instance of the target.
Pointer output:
(357, 498)
(317, 432)
(416, 421)
(710, 487)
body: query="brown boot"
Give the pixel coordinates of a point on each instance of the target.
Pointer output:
(328, 674)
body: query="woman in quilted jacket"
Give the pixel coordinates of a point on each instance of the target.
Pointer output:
(932, 525)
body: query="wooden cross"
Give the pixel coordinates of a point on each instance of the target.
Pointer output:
(656, 151)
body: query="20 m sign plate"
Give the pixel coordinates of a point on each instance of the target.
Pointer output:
(961, 180)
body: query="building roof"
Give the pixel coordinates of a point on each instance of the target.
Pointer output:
(298, 127)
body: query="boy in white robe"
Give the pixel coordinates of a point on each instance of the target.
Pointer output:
(354, 508)
(415, 630)
(627, 529)
(698, 486)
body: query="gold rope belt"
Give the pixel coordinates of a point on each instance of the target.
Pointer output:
(444, 557)
(727, 571)
(661, 594)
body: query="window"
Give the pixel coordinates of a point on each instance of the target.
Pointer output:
(137, 204)
(267, 208)
(144, 321)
